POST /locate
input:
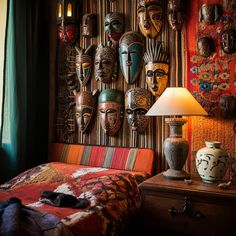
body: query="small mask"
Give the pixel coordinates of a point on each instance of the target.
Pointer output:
(111, 102)
(89, 22)
(156, 68)
(137, 103)
(104, 63)
(150, 17)
(114, 25)
(205, 46)
(85, 109)
(209, 13)
(228, 41)
(84, 64)
(175, 14)
(67, 33)
(228, 106)
(131, 48)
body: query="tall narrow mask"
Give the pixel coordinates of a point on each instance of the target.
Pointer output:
(104, 64)
(110, 106)
(137, 103)
(228, 41)
(131, 48)
(84, 63)
(85, 109)
(89, 29)
(156, 68)
(176, 14)
(150, 17)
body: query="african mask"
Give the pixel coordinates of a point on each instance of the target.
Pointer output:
(89, 22)
(209, 13)
(67, 33)
(114, 25)
(85, 109)
(205, 46)
(110, 106)
(131, 48)
(228, 41)
(84, 64)
(156, 68)
(137, 103)
(67, 19)
(176, 13)
(150, 17)
(104, 63)
(228, 106)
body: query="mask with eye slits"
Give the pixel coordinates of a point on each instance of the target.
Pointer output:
(84, 64)
(150, 17)
(110, 106)
(85, 109)
(131, 48)
(104, 64)
(156, 68)
(137, 103)
(114, 25)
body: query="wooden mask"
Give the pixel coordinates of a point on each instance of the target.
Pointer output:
(209, 13)
(205, 46)
(156, 68)
(131, 48)
(89, 22)
(137, 103)
(150, 17)
(114, 25)
(110, 106)
(228, 41)
(85, 109)
(227, 105)
(104, 63)
(84, 63)
(176, 14)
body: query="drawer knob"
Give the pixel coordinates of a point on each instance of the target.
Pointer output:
(186, 211)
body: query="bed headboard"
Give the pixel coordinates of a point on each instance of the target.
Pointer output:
(133, 159)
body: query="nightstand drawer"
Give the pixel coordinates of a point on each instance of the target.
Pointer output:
(186, 214)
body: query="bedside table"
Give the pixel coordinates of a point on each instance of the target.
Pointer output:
(195, 209)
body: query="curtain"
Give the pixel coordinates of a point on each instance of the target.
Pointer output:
(26, 78)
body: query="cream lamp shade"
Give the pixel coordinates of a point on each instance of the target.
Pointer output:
(176, 101)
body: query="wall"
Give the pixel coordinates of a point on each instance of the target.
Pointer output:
(62, 127)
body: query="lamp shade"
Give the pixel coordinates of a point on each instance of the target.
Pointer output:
(176, 101)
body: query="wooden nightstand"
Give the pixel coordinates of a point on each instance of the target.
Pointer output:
(196, 209)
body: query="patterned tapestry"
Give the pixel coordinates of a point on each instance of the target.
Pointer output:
(209, 78)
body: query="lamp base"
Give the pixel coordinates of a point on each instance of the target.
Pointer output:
(176, 174)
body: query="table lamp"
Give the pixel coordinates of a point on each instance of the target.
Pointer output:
(176, 101)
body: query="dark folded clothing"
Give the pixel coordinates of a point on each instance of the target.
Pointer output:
(63, 200)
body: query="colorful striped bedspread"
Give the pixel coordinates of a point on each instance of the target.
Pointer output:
(113, 194)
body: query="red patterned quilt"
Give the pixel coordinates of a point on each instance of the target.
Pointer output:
(113, 195)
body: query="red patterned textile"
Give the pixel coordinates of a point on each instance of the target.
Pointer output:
(211, 77)
(113, 195)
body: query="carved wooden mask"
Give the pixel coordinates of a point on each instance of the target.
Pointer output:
(150, 17)
(114, 25)
(176, 14)
(84, 63)
(104, 63)
(131, 48)
(228, 106)
(137, 103)
(209, 13)
(89, 22)
(85, 109)
(205, 46)
(228, 41)
(156, 68)
(110, 106)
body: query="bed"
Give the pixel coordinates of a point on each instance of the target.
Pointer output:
(107, 177)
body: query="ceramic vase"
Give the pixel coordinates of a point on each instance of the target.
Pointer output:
(211, 162)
